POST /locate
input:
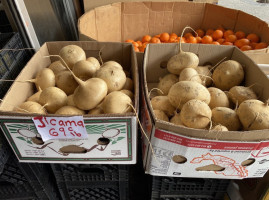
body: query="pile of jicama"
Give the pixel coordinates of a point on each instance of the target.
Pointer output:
(208, 97)
(76, 85)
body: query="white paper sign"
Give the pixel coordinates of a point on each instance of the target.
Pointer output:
(51, 128)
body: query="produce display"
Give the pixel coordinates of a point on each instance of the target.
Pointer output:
(219, 36)
(77, 85)
(223, 103)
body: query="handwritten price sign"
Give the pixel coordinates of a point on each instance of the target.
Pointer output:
(51, 128)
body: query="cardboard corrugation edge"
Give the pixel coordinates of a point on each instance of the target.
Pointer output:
(250, 136)
(17, 89)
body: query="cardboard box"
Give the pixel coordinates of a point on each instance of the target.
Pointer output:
(91, 4)
(199, 148)
(133, 20)
(21, 132)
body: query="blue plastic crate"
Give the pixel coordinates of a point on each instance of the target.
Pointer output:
(12, 61)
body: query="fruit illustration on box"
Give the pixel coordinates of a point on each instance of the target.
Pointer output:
(230, 165)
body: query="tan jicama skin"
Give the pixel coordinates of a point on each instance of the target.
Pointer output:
(66, 82)
(219, 128)
(52, 98)
(254, 114)
(45, 78)
(176, 120)
(69, 110)
(182, 60)
(160, 115)
(228, 74)
(190, 74)
(114, 77)
(163, 103)
(84, 69)
(95, 62)
(205, 75)
(226, 117)
(70, 100)
(90, 93)
(166, 83)
(129, 93)
(30, 107)
(72, 54)
(96, 111)
(35, 96)
(129, 85)
(218, 98)
(184, 91)
(195, 114)
(57, 67)
(117, 102)
(238, 94)
(112, 63)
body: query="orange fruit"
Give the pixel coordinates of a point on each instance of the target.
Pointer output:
(135, 44)
(253, 45)
(217, 34)
(139, 43)
(157, 36)
(231, 38)
(252, 37)
(146, 38)
(172, 38)
(136, 49)
(155, 40)
(215, 42)
(227, 43)
(173, 35)
(261, 45)
(221, 40)
(164, 37)
(246, 48)
(129, 40)
(183, 40)
(200, 32)
(228, 32)
(209, 32)
(186, 35)
(240, 34)
(207, 39)
(191, 39)
(198, 39)
(241, 42)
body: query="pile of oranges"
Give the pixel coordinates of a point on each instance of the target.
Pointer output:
(219, 36)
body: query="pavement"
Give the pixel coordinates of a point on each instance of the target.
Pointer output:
(260, 10)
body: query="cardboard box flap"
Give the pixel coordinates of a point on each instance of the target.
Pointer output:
(218, 16)
(102, 23)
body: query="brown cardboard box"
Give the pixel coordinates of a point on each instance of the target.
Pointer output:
(132, 20)
(21, 132)
(91, 4)
(201, 148)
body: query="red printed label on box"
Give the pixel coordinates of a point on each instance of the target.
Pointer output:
(207, 144)
(51, 128)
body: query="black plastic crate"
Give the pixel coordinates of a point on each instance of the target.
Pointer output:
(12, 61)
(5, 26)
(5, 151)
(92, 182)
(27, 181)
(174, 188)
